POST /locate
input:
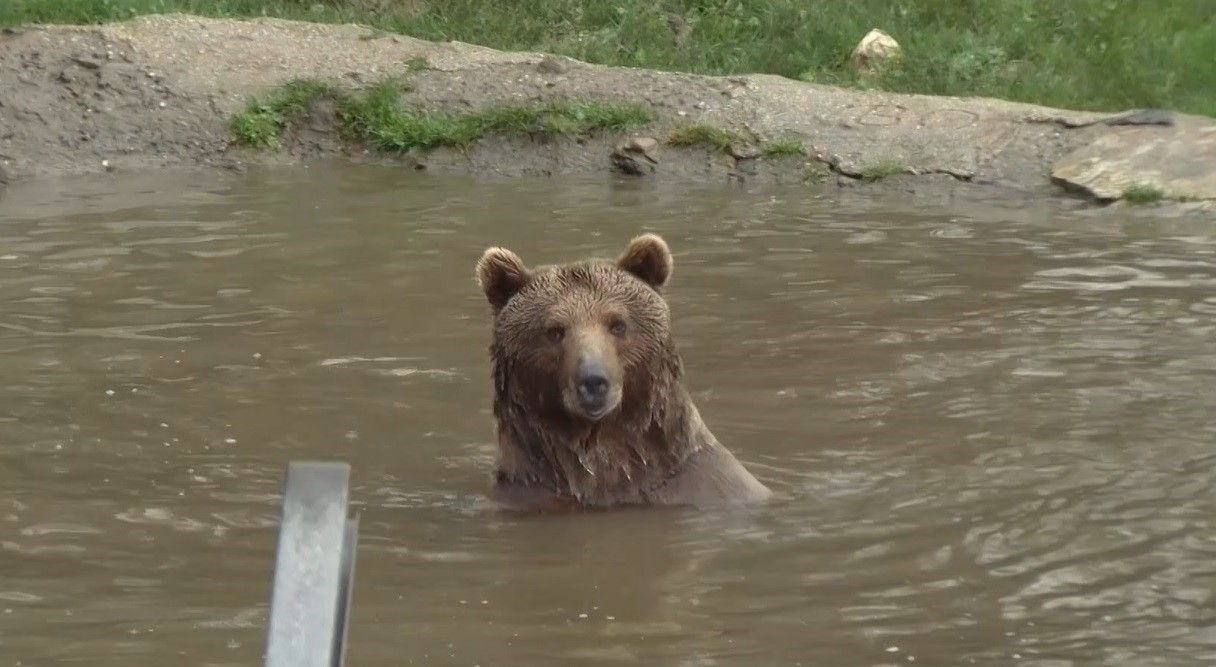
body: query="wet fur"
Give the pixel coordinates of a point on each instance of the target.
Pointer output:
(654, 448)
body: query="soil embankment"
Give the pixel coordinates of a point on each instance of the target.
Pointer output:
(160, 90)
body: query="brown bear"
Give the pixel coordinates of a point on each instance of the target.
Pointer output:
(589, 398)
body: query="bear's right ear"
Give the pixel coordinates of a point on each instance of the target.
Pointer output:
(501, 274)
(649, 259)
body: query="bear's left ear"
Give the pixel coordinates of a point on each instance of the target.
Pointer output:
(501, 274)
(649, 259)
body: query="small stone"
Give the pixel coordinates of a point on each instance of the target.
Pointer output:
(875, 48)
(552, 65)
(743, 151)
(635, 156)
(86, 62)
(105, 164)
(162, 105)
(643, 145)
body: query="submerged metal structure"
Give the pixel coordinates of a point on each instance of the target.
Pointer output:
(313, 569)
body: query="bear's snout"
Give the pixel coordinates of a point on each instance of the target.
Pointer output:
(594, 386)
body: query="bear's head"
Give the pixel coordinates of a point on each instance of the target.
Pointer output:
(580, 342)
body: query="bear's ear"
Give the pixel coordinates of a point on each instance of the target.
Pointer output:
(501, 274)
(649, 259)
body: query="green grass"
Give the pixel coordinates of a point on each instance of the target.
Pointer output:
(1143, 194)
(783, 148)
(265, 118)
(1092, 54)
(719, 139)
(877, 172)
(699, 134)
(377, 117)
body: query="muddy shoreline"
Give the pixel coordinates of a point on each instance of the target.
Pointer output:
(159, 91)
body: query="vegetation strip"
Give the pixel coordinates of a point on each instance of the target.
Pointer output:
(1105, 55)
(719, 139)
(377, 117)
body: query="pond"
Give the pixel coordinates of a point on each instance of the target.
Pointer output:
(989, 425)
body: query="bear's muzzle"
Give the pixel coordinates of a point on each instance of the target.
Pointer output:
(594, 389)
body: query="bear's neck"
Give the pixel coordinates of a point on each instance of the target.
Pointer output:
(616, 460)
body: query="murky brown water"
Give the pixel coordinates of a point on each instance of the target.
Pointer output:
(992, 430)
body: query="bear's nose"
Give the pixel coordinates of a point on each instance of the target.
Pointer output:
(592, 384)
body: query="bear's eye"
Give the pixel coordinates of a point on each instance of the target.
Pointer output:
(556, 333)
(616, 327)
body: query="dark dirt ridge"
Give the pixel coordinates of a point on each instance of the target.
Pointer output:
(158, 91)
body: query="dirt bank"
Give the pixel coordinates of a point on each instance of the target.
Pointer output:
(159, 91)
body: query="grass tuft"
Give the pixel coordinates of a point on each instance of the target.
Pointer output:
(699, 134)
(719, 139)
(265, 118)
(877, 172)
(377, 117)
(783, 148)
(1143, 194)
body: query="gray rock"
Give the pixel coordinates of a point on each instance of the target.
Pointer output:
(636, 155)
(1179, 160)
